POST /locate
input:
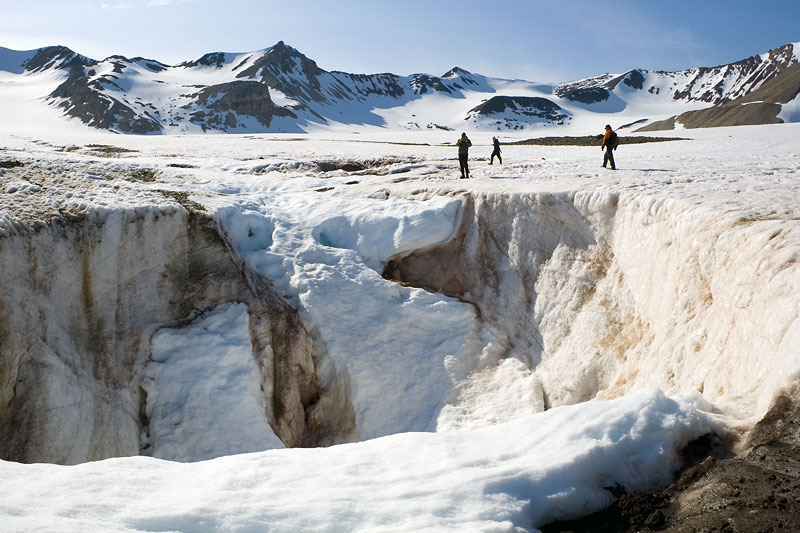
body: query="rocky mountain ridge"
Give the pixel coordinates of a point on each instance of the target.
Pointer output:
(280, 89)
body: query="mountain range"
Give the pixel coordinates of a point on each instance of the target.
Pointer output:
(279, 89)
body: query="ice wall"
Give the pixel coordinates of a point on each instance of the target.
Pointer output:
(600, 293)
(85, 292)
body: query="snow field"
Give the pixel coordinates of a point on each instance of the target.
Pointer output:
(510, 477)
(678, 271)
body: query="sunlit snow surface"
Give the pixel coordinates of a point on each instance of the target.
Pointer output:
(476, 453)
(508, 477)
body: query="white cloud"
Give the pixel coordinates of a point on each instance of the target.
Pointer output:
(118, 5)
(159, 3)
(136, 5)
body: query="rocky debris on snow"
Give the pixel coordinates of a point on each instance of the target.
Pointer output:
(106, 150)
(592, 140)
(379, 166)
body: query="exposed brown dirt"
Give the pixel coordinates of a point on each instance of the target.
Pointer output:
(732, 114)
(755, 488)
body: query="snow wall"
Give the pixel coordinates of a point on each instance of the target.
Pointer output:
(83, 296)
(590, 294)
(601, 293)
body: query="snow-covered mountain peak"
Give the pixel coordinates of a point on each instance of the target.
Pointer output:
(456, 72)
(243, 92)
(55, 57)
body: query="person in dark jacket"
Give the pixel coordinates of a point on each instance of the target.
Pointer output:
(610, 142)
(463, 154)
(496, 151)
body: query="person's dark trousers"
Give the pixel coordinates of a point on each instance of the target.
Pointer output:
(462, 160)
(496, 153)
(609, 158)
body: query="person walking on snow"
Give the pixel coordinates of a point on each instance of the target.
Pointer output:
(463, 154)
(496, 151)
(610, 142)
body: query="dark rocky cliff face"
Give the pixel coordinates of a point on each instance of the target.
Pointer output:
(240, 97)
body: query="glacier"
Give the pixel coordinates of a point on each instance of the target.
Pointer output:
(489, 354)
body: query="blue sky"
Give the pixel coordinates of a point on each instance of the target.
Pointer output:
(547, 41)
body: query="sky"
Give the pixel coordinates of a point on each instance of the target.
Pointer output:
(536, 40)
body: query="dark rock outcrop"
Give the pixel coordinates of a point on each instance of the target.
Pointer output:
(241, 97)
(213, 59)
(633, 79)
(87, 101)
(422, 83)
(526, 106)
(56, 57)
(587, 95)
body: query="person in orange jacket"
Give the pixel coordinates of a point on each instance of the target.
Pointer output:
(610, 143)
